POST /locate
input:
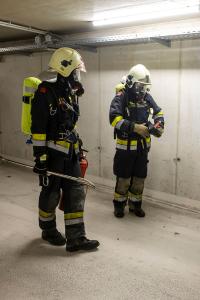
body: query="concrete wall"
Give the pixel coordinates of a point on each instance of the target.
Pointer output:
(175, 76)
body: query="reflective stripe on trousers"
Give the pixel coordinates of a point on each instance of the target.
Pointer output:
(73, 218)
(46, 216)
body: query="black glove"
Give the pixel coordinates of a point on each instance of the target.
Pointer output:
(40, 165)
(156, 129)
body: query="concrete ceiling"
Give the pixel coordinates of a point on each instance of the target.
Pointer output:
(61, 16)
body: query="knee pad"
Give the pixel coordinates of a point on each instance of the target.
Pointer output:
(137, 185)
(122, 185)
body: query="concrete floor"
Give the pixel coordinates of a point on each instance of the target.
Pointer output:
(153, 258)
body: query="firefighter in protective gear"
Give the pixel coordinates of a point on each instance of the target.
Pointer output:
(129, 114)
(120, 86)
(55, 111)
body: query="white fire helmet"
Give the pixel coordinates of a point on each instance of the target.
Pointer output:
(139, 74)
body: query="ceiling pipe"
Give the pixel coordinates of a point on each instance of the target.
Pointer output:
(42, 47)
(90, 41)
(21, 27)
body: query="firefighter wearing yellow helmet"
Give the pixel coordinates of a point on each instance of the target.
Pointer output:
(55, 112)
(120, 86)
(129, 115)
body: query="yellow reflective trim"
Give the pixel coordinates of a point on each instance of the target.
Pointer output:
(63, 144)
(43, 157)
(76, 145)
(73, 215)
(116, 195)
(125, 142)
(122, 142)
(160, 113)
(45, 214)
(116, 120)
(133, 143)
(120, 198)
(39, 137)
(148, 140)
(137, 196)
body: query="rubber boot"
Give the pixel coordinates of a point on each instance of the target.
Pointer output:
(119, 208)
(81, 243)
(54, 237)
(137, 210)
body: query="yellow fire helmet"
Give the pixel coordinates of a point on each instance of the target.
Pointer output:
(119, 87)
(65, 60)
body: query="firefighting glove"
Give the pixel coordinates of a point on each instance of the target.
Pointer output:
(141, 129)
(41, 165)
(156, 129)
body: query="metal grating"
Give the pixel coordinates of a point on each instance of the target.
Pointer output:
(91, 43)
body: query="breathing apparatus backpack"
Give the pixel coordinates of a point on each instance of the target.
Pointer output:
(30, 86)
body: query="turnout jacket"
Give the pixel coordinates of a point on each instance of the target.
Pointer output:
(125, 112)
(54, 115)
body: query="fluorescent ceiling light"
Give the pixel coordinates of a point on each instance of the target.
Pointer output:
(158, 10)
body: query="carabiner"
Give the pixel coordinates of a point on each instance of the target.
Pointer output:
(45, 180)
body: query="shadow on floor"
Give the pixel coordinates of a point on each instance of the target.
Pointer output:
(40, 248)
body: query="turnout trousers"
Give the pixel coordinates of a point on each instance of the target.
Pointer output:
(130, 168)
(73, 194)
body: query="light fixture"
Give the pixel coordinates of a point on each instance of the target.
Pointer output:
(156, 10)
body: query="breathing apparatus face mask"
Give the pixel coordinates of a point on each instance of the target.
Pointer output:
(138, 81)
(74, 80)
(138, 90)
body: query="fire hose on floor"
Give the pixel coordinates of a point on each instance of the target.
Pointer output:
(81, 180)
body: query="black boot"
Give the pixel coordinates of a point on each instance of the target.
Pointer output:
(137, 210)
(54, 237)
(119, 208)
(81, 243)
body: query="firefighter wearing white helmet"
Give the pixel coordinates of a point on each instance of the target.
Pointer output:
(129, 115)
(55, 112)
(140, 75)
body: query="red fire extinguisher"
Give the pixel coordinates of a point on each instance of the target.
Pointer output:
(83, 165)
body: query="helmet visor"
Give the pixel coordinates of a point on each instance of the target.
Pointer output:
(77, 75)
(145, 81)
(81, 66)
(139, 87)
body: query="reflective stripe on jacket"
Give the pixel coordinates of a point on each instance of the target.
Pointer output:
(125, 112)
